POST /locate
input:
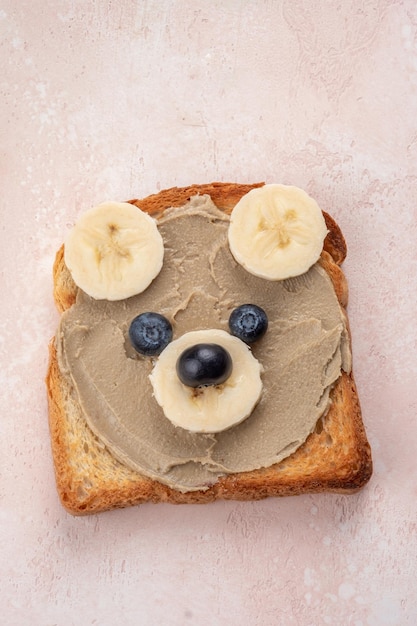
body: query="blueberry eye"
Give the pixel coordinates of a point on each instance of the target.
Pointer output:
(248, 322)
(204, 364)
(150, 333)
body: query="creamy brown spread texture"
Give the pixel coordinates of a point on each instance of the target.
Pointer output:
(302, 354)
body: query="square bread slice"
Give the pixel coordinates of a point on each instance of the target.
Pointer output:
(336, 457)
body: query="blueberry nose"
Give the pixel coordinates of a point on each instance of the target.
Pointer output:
(204, 364)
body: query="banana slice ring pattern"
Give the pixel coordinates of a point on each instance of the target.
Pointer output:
(276, 232)
(114, 251)
(208, 409)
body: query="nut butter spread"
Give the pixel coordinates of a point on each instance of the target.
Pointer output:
(302, 355)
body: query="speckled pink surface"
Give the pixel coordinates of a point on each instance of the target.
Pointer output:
(112, 100)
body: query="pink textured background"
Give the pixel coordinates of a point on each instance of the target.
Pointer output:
(111, 100)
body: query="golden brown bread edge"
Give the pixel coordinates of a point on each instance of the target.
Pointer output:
(335, 458)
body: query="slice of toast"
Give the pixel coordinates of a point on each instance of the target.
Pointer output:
(336, 457)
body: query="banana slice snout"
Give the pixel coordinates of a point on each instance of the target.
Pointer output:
(276, 232)
(212, 408)
(114, 251)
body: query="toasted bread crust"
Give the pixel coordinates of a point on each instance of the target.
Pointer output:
(335, 458)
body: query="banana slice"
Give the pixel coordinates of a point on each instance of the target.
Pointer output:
(114, 251)
(207, 409)
(276, 232)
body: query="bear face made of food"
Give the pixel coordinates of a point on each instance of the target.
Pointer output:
(195, 268)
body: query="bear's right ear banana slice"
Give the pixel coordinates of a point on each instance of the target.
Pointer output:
(114, 251)
(276, 232)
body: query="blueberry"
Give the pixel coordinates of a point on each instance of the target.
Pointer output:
(150, 333)
(248, 322)
(204, 364)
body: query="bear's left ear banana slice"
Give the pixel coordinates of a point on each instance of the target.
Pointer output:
(114, 251)
(276, 232)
